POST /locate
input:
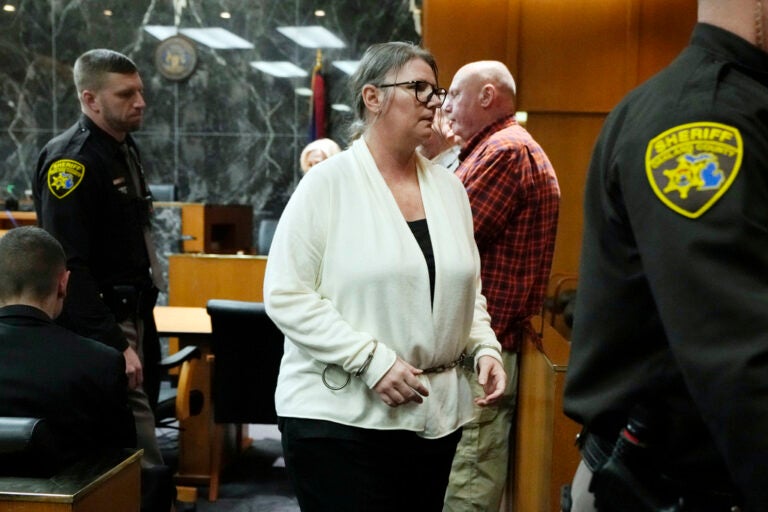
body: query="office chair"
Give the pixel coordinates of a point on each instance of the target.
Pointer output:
(177, 402)
(266, 233)
(247, 348)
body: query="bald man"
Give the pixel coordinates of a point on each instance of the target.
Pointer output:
(669, 351)
(515, 200)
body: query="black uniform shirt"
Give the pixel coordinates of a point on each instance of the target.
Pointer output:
(672, 308)
(85, 196)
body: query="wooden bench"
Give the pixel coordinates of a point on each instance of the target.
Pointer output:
(110, 483)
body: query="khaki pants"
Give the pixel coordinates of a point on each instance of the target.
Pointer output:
(480, 466)
(138, 401)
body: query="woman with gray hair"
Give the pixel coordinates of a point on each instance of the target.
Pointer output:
(373, 277)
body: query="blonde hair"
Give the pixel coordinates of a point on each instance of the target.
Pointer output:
(325, 146)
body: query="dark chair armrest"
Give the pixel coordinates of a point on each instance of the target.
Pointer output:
(185, 354)
(18, 434)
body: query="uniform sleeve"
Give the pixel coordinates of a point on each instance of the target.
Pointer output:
(67, 215)
(292, 278)
(708, 275)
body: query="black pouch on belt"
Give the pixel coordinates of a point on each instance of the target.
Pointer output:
(628, 480)
(122, 300)
(147, 300)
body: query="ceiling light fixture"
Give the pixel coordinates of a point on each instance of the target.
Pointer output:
(313, 36)
(215, 37)
(347, 66)
(280, 68)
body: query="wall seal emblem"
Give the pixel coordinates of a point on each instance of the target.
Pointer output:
(176, 58)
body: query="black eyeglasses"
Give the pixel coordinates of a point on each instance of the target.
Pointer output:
(424, 91)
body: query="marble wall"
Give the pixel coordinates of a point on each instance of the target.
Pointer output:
(227, 134)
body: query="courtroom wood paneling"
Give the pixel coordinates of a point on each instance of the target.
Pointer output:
(573, 62)
(568, 140)
(574, 55)
(458, 32)
(545, 455)
(665, 28)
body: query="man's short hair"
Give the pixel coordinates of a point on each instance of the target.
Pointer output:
(92, 67)
(31, 261)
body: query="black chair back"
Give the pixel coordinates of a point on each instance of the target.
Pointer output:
(247, 348)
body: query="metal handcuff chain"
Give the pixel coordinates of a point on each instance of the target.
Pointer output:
(462, 359)
(358, 373)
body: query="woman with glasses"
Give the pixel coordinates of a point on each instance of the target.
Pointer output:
(373, 277)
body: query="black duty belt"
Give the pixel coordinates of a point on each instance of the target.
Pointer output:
(596, 450)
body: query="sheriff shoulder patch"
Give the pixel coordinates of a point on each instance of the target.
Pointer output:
(64, 176)
(692, 165)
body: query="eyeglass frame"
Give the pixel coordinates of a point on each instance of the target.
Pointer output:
(436, 91)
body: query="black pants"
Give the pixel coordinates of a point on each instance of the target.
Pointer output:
(336, 468)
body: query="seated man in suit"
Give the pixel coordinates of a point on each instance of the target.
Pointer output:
(76, 384)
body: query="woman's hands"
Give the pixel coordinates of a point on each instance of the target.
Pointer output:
(493, 379)
(401, 385)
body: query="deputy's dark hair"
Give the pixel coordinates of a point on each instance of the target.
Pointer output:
(377, 62)
(91, 68)
(31, 260)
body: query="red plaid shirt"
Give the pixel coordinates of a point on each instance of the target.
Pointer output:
(515, 200)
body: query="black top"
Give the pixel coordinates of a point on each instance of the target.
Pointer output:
(420, 230)
(86, 198)
(76, 384)
(673, 278)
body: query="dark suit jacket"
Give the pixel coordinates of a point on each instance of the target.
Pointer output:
(78, 385)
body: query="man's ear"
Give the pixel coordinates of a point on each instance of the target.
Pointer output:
(89, 101)
(487, 94)
(372, 98)
(61, 288)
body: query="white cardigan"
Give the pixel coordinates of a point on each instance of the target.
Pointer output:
(344, 270)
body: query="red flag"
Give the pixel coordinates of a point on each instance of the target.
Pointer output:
(317, 123)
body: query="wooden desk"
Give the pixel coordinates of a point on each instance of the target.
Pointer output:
(214, 228)
(109, 483)
(192, 326)
(182, 321)
(195, 278)
(10, 220)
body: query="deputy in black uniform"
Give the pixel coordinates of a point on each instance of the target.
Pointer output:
(90, 193)
(670, 333)
(76, 384)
